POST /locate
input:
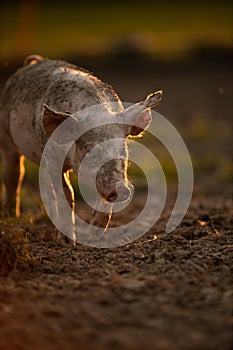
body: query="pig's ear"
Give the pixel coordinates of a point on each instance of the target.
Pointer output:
(140, 124)
(138, 116)
(52, 119)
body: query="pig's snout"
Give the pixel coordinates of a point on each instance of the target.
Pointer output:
(119, 194)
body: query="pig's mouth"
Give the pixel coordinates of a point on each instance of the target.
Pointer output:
(120, 193)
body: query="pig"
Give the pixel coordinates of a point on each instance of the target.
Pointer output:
(36, 100)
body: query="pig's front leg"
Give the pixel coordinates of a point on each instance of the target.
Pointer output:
(68, 190)
(69, 194)
(66, 223)
(12, 178)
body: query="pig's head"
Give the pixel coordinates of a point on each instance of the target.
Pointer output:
(111, 180)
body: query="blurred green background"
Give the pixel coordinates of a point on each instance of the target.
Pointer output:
(182, 47)
(165, 29)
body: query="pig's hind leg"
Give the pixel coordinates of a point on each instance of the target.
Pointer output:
(12, 177)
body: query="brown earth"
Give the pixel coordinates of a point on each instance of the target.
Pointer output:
(164, 291)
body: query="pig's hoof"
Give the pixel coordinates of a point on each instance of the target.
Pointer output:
(61, 239)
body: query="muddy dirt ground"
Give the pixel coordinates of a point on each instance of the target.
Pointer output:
(164, 291)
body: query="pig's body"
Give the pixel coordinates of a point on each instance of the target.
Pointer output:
(61, 86)
(39, 97)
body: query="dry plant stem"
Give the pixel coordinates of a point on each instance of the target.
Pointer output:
(101, 218)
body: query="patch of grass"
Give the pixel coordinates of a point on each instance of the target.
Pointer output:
(218, 167)
(200, 130)
(32, 174)
(14, 249)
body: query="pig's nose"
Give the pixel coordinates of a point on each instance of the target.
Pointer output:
(119, 194)
(112, 196)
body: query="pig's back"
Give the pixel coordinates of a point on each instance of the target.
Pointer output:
(63, 86)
